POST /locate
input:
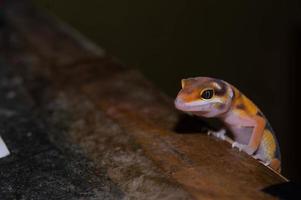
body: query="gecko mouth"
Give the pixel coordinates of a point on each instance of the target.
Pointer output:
(180, 105)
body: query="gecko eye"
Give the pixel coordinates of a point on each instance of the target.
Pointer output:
(207, 94)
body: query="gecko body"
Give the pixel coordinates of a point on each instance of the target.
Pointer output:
(252, 133)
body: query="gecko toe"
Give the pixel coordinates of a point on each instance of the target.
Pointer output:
(237, 145)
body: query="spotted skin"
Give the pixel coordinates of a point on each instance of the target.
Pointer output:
(251, 130)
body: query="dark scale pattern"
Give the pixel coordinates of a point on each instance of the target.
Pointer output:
(37, 168)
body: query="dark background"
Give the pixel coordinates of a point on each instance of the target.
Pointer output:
(255, 45)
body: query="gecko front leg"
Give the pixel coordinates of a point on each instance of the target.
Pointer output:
(221, 134)
(258, 124)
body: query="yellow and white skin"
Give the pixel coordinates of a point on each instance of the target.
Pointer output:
(214, 98)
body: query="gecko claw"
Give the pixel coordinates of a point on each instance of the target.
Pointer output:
(221, 134)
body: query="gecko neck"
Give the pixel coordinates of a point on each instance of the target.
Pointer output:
(226, 114)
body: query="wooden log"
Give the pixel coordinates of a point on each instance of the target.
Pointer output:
(115, 111)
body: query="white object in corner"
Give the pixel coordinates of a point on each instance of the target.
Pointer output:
(3, 149)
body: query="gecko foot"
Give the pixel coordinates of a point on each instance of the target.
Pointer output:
(266, 163)
(221, 134)
(237, 145)
(259, 157)
(243, 147)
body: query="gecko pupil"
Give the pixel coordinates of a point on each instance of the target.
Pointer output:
(207, 94)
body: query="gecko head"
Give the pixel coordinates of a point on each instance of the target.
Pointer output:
(204, 96)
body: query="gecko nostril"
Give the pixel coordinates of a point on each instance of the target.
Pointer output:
(178, 101)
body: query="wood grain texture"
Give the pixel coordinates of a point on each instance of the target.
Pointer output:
(201, 166)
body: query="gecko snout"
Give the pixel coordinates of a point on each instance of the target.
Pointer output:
(180, 104)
